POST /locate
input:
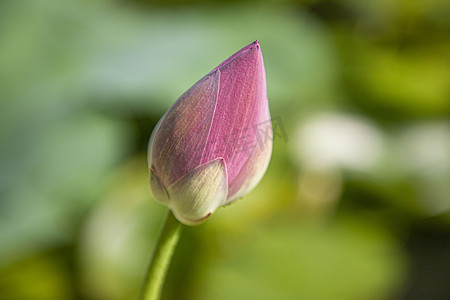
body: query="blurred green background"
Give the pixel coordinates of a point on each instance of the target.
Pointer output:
(356, 201)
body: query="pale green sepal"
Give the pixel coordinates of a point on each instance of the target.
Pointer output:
(158, 191)
(196, 195)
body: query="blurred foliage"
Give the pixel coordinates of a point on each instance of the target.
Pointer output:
(356, 201)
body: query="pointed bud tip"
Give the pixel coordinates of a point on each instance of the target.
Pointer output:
(249, 47)
(254, 45)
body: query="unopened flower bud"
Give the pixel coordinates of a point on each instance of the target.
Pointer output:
(215, 142)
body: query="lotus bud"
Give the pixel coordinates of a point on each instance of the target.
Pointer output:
(214, 144)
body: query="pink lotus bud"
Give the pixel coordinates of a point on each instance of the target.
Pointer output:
(214, 144)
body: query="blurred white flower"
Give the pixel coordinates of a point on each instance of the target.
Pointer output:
(334, 140)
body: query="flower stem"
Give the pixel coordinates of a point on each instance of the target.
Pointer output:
(162, 255)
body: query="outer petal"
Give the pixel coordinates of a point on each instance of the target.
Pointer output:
(196, 195)
(158, 190)
(152, 141)
(255, 166)
(178, 141)
(242, 104)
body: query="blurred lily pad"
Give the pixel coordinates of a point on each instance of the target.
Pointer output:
(346, 260)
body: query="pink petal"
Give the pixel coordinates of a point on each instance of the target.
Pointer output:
(256, 164)
(177, 144)
(242, 104)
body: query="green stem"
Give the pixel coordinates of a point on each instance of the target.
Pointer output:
(160, 261)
